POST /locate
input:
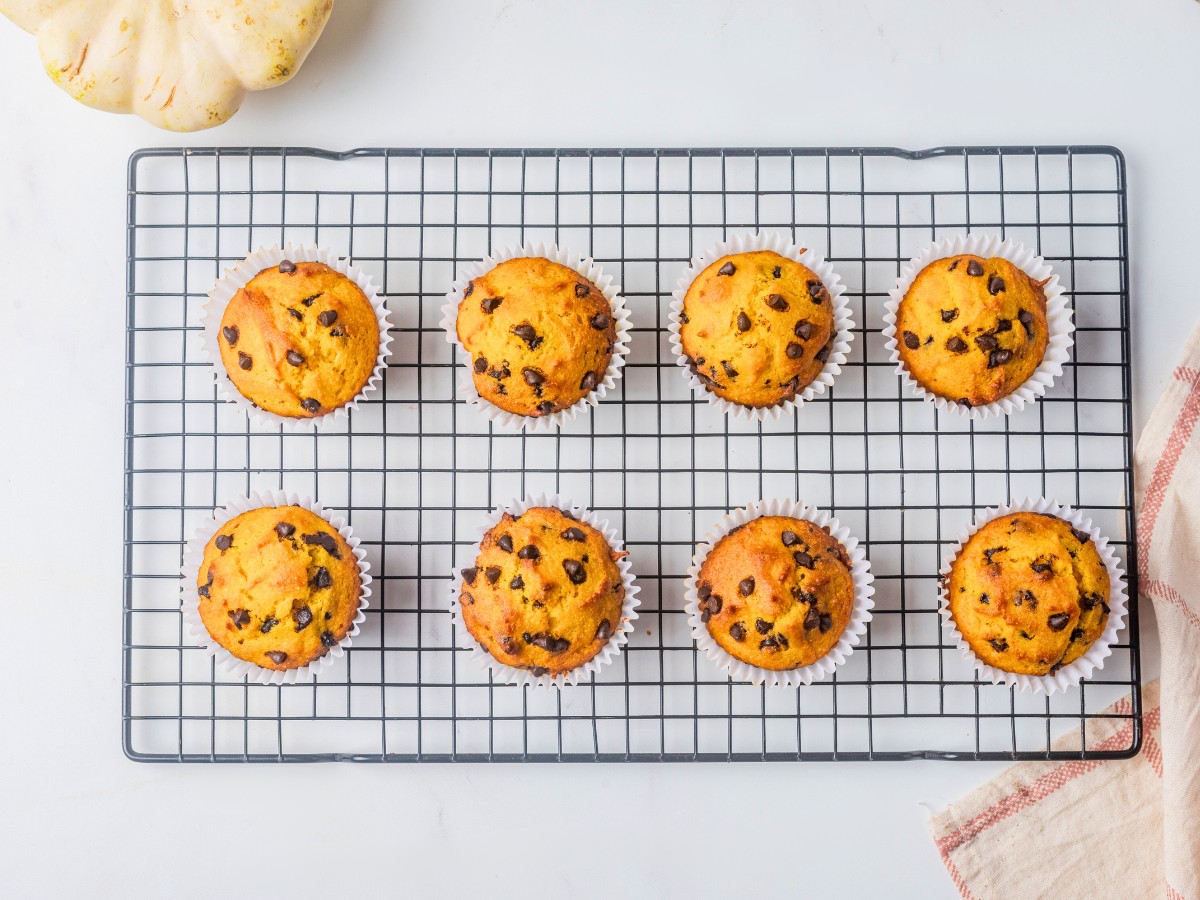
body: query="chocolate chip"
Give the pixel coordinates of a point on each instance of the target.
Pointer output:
(500, 374)
(308, 301)
(244, 361)
(954, 265)
(737, 631)
(823, 353)
(295, 358)
(714, 604)
(817, 291)
(604, 630)
(794, 351)
(325, 541)
(1082, 536)
(469, 289)
(999, 358)
(730, 371)
(956, 345)
(743, 322)
(746, 587)
(704, 591)
(469, 574)
(327, 318)
(777, 303)
(1041, 565)
(335, 332)
(812, 618)
(762, 625)
(285, 529)
(974, 269)
(768, 643)
(239, 617)
(911, 341)
(277, 656)
(1026, 598)
(1076, 634)
(999, 644)
(992, 551)
(539, 671)
(995, 285)
(268, 623)
(231, 334)
(1058, 621)
(984, 599)
(295, 314)
(547, 642)
(826, 623)
(804, 329)
(311, 405)
(481, 365)
(287, 267)
(588, 382)
(303, 617)
(987, 342)
(727, 269)
(599, 321)
(683, 317)
(505, 543)
(803, 559)
(582, 290)
(321, 579)
(1089, 601)
(963, 401)
(526, 333)
(1025, 317)
(532, 377)
(203, 590)
(529, 552)
(489, 304)
(790, 538)
(327, 639)
(575, 571)
(574, 534)
(777, 271)
(949, 315)
(546, 407)
(492, 573)
(517, 583)
(1003, 325)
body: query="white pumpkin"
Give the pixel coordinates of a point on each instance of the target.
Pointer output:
(179, 65)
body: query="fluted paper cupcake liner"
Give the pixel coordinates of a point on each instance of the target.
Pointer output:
(1058, 320)
(586, 267)
(610, 651)
(860, 614)
(1093, 658)
(232, 280)
(193, 558)
(843, 325)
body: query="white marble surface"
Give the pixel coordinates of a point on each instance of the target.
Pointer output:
(79, 819)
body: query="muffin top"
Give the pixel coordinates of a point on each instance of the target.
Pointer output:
(545, 592)
(299, 339)
(539, 334)
(972, 330)
(756, 328)
(278, 587)
(1029, 593)
(776, 592)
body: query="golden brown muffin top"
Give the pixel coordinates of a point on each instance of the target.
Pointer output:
(972, 330)
(278, 587)
(539, 334)
(776, 592)
(756, 328)
(545, 592)
(1029, 593)
(299, 339)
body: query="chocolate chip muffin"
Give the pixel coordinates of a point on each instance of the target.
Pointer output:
(756, 328)
(972, 330)
(299, 339)
(776, 592)
(278, 587)
(1029, 593)
(545, 593)
(539, 334)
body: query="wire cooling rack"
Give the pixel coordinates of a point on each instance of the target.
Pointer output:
(415, 470)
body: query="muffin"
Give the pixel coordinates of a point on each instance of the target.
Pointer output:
(278, 587)
(972, 330)
(1029, 593)
(776, 592)
(756, 328)
(300, 339)
(545, 592)
(540, 335)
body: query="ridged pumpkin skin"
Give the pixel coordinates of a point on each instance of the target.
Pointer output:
(179, 65)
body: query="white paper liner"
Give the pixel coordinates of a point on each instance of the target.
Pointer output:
(843, 325)
(860, 614)
(610, 651)
(585, 267)
(1067, 676)
(193, 558)
(1058, 320)
(232, 280)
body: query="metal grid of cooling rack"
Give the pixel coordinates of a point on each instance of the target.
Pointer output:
(415, 470)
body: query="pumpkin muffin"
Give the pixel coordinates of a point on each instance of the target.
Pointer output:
(545, 593)
(299, 339)
(972, 330)
(756, 328)
(776, 592)
(1029, 593)
(278, 587)
(539, 334)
